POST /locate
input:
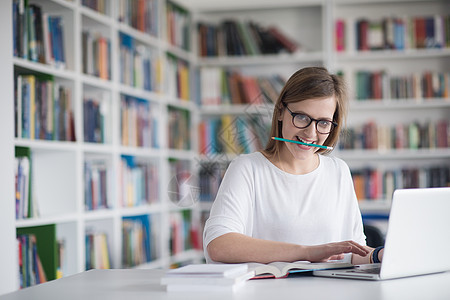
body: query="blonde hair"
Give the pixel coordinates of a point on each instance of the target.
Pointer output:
(310, 83)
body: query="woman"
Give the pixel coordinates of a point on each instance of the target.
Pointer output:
(291, 202)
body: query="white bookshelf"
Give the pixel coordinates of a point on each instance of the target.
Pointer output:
(58, 166)
(318, 48)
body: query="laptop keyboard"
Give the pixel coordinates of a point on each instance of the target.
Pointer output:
(375, 270)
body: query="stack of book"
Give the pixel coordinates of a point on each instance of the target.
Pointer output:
(207, 277)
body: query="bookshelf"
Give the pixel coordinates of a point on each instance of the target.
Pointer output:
(99, 117)
(410, 158)
(417, 113)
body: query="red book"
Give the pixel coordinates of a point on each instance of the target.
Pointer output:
(420, 32)
(340, 35)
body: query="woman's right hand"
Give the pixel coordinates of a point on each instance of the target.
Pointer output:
(334, 251)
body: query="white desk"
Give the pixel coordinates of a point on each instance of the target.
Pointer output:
(144, 284)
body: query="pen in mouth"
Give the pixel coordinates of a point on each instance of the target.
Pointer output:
(302, 143)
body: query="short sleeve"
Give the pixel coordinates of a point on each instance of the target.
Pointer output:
(232, 209)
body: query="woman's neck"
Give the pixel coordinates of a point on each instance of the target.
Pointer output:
(289, 164)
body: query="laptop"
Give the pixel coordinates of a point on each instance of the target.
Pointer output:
(417, 240)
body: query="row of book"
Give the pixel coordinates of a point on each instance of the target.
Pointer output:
(37, 35)
(414, 135)
(142, 15)
(138, 64)
(95, 185)
(30, 266)
(95, 113)
(40, 255)
(177, 78)
(97, 251)
(233, 37)
(97, 5)
(222, 86)
(138, 240)
(179, 129)
(398, 33)
(184, 235)
(376, 184)
(381, 85)
(178, 26)
(96, 53)
(229, 134)
(138, 182)
(43, 108)
(139, 122)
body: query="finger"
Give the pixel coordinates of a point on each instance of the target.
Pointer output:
(359, 249)
(350, 247)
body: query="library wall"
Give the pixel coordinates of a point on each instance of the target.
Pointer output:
(127, 114)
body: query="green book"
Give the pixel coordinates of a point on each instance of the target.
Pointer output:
(47, 247)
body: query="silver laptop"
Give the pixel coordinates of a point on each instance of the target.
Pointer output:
(417, 241)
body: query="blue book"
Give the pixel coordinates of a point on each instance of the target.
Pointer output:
(429, 33)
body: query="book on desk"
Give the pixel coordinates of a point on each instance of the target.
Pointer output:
(230, 277)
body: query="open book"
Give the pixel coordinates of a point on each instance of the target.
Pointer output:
(282, 269)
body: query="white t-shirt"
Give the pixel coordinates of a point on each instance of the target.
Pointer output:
(259, 200)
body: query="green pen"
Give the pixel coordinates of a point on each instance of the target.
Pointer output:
(301, 143)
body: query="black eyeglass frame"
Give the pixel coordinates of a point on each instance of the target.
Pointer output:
(293, 114)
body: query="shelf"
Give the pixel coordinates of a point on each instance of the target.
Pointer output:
(47, 144)
(141, 210)
(234, 5)
(400, 154)
(97, 148)
(241, 109)
(188, 255)
(408, 54)
(56, 219)
(141, 152)
(139, 93)
(154, 264)
(178, 52)
(180, 103)
(362, 2)
(180, 154)
(99, 214)
(433, 103)
(96, 16)
(96, 82)
(258, 60)
(138, 35)
(43, 68)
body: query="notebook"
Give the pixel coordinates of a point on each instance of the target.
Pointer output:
(417, 240)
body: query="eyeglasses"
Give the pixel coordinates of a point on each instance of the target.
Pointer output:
(302, 121)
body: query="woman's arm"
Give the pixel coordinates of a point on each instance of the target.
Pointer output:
(239, 248)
